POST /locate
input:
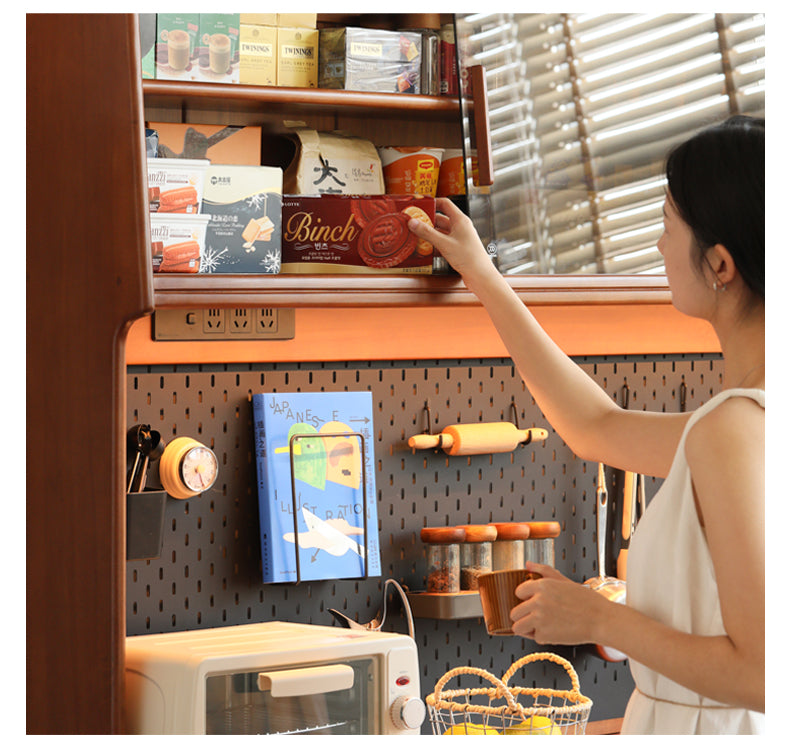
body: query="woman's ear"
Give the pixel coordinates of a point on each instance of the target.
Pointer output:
(722, 264)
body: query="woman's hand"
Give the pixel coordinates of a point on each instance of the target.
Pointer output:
(555, 609)
(454, 236)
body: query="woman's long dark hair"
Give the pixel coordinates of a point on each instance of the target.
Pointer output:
(717, 182)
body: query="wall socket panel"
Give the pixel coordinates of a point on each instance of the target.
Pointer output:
(223, 324)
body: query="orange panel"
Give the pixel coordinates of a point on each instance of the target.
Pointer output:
(405, 333)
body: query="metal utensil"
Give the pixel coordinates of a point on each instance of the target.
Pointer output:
(629, 507)
(378, 621)
(610, 587)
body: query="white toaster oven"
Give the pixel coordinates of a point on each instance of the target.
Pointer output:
(272, 678)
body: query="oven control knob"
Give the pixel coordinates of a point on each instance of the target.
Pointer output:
(407, 712)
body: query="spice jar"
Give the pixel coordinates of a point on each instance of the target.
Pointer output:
(476, 552)
(508, 548)
(444, 566)
(539, 548)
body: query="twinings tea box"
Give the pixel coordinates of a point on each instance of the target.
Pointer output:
(370, 60)
(257, 55)
(361, 234)
(216, 143)
(244, 207)
(297, 57)
(299, 20)
(259, 19)
(218, 48)
(176, 39)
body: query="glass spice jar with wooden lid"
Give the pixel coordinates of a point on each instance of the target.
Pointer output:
(476, 553)
(508, 552)
(539, 547)
(444, 564)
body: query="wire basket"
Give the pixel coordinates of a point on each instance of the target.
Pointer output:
(504, 709)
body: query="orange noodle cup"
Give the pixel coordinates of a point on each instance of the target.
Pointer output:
(410, 170)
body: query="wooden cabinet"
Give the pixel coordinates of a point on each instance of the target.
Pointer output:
(88, 278)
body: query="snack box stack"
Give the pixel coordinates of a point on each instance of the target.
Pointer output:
(358, 59)
(213, 209)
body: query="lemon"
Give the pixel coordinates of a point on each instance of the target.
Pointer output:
(471, 729)
(535, 725)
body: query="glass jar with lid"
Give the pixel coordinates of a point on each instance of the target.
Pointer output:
(443, 551)
(539, 548)
(476, 553)
(508, 548)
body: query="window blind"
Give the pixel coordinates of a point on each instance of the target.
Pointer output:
(583, 111)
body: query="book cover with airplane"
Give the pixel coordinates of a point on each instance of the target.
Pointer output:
(313, 525)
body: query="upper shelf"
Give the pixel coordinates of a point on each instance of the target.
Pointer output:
(239, 99)
(235, 291)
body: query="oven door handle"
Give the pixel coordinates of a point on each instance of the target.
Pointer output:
(288, 683)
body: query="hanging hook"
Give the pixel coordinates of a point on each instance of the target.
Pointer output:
(514, 413)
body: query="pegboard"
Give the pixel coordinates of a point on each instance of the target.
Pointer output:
(209, 571)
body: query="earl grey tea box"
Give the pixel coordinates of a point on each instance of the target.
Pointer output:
(244, 205)
(358, 59)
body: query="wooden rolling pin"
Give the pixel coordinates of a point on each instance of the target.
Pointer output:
(478, 438)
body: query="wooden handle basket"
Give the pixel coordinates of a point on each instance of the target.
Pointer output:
(503, 708)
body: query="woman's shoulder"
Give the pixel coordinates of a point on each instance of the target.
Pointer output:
(735, 423)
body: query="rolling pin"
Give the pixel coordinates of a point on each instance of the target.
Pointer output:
(478, 438)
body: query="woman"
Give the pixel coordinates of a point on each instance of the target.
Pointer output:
(694, 623)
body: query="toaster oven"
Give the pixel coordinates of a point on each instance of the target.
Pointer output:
(272, 678)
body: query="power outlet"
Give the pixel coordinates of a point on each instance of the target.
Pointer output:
(267, 321)
(214, 321)
(240, 322)
(224, 324)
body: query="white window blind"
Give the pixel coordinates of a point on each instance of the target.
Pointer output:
(583, 111)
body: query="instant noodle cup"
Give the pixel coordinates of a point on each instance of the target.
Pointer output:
(410, 170)
(452, 177)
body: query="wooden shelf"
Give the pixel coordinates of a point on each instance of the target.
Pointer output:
(239, 99)
(239, 291)
(264, 104)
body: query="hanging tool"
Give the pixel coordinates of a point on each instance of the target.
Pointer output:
(611, 588)
(147, 446)
(629, 506)
(378, 621)
(478, 438)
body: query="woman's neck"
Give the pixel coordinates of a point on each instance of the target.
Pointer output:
(743, 347)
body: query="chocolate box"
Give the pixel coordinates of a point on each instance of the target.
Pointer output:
(243, 234)
(359, 59)
(357, 234)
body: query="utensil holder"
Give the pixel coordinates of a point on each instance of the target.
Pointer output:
(145, 524)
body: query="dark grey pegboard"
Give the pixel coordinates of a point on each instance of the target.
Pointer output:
(208, 574)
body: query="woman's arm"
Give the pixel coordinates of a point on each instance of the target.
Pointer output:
(584, 416)
(725, 454)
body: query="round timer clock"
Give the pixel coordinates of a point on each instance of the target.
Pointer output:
(187, 468)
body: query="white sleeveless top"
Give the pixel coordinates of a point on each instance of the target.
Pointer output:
(674, 582)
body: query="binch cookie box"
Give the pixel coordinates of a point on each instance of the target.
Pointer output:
(361, 234)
